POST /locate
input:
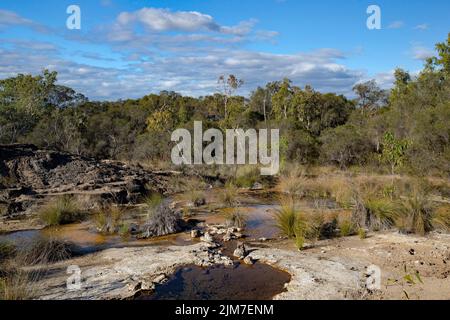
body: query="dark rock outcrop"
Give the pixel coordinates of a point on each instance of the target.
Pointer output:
(29, 175)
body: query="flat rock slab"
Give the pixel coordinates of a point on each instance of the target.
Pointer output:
(314, 278)
(119, 273)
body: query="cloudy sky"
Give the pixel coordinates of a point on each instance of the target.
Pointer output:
(129, 48)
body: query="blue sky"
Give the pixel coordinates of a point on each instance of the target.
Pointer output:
(129, 48)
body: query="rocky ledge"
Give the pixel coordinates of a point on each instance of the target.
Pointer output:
(29, 175)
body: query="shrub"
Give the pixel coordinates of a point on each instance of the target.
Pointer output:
(43, 250)
(416, 214)
(441, 218)
(229, 196)
(7, 250)
(373, 211)
(292, 184)
(109, 219)
(163, 221)
(236, 219)
(346, 227)
(153, 200)
(362, 233)
(196, 198)
(63, 210)
(17, 285)
(299, 241)
(286, 218)
(247, 176)
(346, 145)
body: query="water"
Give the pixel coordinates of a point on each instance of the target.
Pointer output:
(242, 282)
(87, 240)
(84, 237)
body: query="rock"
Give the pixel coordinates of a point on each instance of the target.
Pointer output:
(207, 237)
(228, 237)
(257, 187)
(195, 233)
(238, 235)
(240, 251)
(28, 171)
(262, 239)
(160, 279)
(199, 202)
(248, 260)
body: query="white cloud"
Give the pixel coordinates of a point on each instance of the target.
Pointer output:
(423, 26)
(420, 52)
(396, 25)
(12, 19)
(189, 21)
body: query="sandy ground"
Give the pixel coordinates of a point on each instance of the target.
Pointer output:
(393, 253)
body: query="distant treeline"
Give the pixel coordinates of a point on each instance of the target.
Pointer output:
(406, 128)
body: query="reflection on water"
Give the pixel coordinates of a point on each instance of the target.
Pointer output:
(87, 240)
(260, 224)
(257, 282)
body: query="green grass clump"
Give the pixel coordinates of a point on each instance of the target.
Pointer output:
(229, 196)
(416, 214)
(7, 250)
(346, 227)
(63, 210)
(441, 218)
(195, 197)
(247, 176)
(153, 200)
(236, 219)
(109, 219)
(286, 218)
(362, 233)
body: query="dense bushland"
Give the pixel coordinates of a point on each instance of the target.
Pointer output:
(406, 129)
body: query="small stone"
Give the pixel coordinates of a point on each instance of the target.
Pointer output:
(160, 279)
(228, 237)
(195, 234)
(199, 202)
(207, 237)
(240, 251)
(257, 186)
(248, 260)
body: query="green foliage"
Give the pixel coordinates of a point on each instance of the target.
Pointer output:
(316, 128)
(416, 214)
(62, 210)
(229, 196)
(153, 200)
(286, 219)
(394, 151)
(362, 233)
(346, 145)
(7, 250)
(236, 218)
(346, 227)
(299, 241)
(109, 219)
(247, 176)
